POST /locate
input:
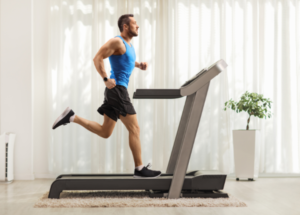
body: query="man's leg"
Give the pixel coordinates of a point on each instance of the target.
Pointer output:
(104, 130)
(131, 123)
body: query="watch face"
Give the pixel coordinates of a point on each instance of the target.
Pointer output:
(105, 79)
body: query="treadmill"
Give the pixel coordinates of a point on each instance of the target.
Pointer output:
(176, 182)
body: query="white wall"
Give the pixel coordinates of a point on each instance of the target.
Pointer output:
(16, 81)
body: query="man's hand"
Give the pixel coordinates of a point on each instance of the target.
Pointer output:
(143, 66)
(110, 83)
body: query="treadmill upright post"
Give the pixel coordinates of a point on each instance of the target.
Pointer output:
(180, 133)
(185, 139)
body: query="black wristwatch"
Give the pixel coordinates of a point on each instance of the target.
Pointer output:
(105, 79)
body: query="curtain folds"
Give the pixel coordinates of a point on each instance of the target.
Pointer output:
(259, 40)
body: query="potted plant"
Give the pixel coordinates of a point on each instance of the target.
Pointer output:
(246, 142)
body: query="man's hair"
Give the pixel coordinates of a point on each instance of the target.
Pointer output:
(124, 19)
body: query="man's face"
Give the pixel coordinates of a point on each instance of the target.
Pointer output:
(133, 27)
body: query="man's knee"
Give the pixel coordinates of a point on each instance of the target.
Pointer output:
(107, 127)
(106, 135)
(135, 129)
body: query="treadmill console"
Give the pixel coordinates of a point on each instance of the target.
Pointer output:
(194, 77)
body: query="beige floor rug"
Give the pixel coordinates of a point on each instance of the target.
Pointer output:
(87, 199)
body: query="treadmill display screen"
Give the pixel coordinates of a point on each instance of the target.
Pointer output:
(194, 77)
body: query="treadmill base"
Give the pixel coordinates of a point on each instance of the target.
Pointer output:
(191, 194)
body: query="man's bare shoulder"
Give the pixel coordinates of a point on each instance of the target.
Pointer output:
(115, 43)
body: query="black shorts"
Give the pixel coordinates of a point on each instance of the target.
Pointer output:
(116, 102)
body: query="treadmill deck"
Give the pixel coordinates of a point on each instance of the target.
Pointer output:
(193, 181)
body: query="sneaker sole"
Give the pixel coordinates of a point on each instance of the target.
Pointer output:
(135, 176)
(61, 116)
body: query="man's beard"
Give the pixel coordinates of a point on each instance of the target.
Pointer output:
(133, 34)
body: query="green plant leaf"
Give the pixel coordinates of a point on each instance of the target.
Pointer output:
(252, 103)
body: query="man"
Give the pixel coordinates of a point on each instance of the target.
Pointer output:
(117, 104)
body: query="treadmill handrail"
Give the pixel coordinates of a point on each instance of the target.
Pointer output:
(157, 94)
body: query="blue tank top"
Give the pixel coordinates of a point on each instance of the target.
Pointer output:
(122, 65)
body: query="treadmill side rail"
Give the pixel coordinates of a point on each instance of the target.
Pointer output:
(208, 182)
(192, 194)
(56, 188)
(189, 173)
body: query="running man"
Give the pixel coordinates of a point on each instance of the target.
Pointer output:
(116, 104)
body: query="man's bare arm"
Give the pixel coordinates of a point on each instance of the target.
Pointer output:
(137, 64)
(104, 52)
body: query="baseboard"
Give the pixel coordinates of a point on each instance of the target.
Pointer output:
(271, 175)
(34, 176)
(229, 176)
(24, 177)
(45, 176)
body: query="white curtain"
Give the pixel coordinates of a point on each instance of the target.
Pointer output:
(259, 40)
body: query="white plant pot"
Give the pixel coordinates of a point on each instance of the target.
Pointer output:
(246, 153)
